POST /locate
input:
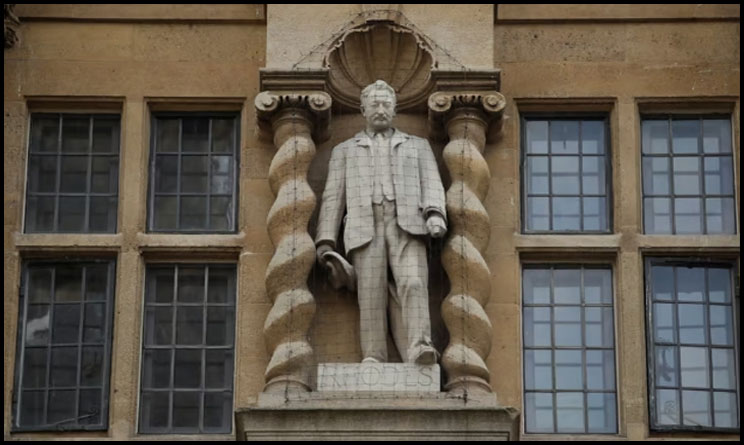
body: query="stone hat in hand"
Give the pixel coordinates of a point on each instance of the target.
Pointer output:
(342, 272)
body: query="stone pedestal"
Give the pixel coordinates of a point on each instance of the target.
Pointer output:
(377, 377)
(376, 416)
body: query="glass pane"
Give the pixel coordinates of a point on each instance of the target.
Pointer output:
(221, 285)
(539, 413)
(186, 411)
(165, 213)
(96, 279)
(37, 325)
(63, 370)
(105, 135)
(538, 214)
(537, 175)
(597, 286)
(691, 323)
(91, 370)
(32, 408)
(66, 323)
(68, 283)
(687, 176)
(193, 213)
(74, 173)
(219, 369)
(694, 367)
(190, 284)
(667, 406)
(222, 135)
(592, 137)
(218, 412)
(719, 285)
(44, 134)
(662, 283)
(71, 214)
(536, 286)
(94, 324)
(568, 370)
(188, 368)
(166, 174)
(34, 368)
(157, 368)
(721, 328)
(716, 136)
(593, 175)
(600, 370)
(537, 326)
(538, 369)
(90, 407)
(105, 175)
(194, 174)
(39, 285)
(220, 326)
(159, 326)
(40, 214)
(75, 135)
(685, 135)
(687, 215)
(570, 412)
(719, 176)
(567, 326)
(565, 175)
(189, 326)
(696, 408)
(222, 175)
(537, 136)
(160, 285)
(719, 215)
(724, 368)
(61, 407)
(564, 137)
(599, 330)
(690, 283)
(666, 366)
(725, 409)
(220, 213)
(595, 211)
(167, 135)
(42, 174)
(656, 176)
(567, 284)
(567, 213)
(655, 136)
(102, 214)
(664, 329)
(154, 411)
(195, 134)
(601, 413)
(657, 215)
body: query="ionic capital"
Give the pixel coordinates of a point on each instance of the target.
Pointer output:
(313, 106)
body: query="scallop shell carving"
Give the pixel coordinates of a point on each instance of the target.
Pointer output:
(384, 51)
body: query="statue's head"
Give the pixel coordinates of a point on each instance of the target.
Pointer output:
(378, 105)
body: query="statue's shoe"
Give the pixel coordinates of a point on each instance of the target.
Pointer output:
(426, 356)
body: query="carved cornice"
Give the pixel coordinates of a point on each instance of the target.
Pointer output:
(312, 105)
(443, 107)
(10, 25)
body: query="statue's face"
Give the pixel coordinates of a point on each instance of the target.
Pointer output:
(379, 109)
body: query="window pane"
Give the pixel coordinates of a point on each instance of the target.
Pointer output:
(89, 411)
(570, 412)
(194, 174)
(717, 136)
(725, 409)
(105, 135)
(71, 214)
(719, 176)
(193, 213)
(220, 326)
(40, 214)
(657, 215)
(538, 365)
(154, 411)
(167, 135)
(696, 408)
(61, 407)
(157, 369)
(685, 135)
(537, 326)
(74, 173)
(39, 285)
(35, 368)
(567, 286)
(222, 175)
(656, 176)
(690, 283)
(597, 286)
(220, 213)
(63, 372)
(721, 328)
(96, 280)
(537, 174)
(91, 370)
(102, 214)
(75, 135)
(600, 370)
(691, 323)
(221, 285)
(567, 326)
(719, 215)
(664, 329)
(42, 174)
(719, 285)
(195, 134)
(105, 175)
(158, 326)
(724, 368)
(37, 325)
(68, 283)
(218, 368)
(667, 406)
(189, 325)
(166, 174)
(568, 370)
(66, 323)
(536, 286)
(687, 176)
(539, 413)
(190, 284)
(601, 413)
(32, 408)
(666, 366)
(161, 284)
(222, 135)
(655, 136)
(537, 136)
(694, 367)
(94, 325)
(592, 137)
(599, 330)
(538, 214)
(566, 213)
(188, 368)
(218, 412)
(662, 283)
(165, 213)
(687, 215)
(186, 411)
(565, 175)
(593, 175)
(44, 134)
(595, 211)
(564, 137)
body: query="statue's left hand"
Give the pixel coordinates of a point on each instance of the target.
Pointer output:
(436, 226)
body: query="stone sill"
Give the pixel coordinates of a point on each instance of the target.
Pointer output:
(67, 241)
(689, 243)
(608, 244)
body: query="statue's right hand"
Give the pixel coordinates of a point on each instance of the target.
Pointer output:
(320, 251)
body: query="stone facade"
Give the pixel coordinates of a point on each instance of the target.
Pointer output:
(494, 64)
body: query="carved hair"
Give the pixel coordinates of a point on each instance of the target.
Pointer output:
(377, 85)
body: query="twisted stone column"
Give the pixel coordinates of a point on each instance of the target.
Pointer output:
(466, 117)
(294, 119)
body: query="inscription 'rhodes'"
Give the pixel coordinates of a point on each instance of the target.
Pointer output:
(403, 377)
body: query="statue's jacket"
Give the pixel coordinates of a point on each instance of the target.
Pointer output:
(350, 184)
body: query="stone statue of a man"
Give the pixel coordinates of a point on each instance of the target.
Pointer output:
(388, 184)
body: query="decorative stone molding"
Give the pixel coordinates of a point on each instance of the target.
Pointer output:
(294, 119)
(466, 117)
(10, 25)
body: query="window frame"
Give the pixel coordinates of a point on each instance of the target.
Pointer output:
(524, 156)
(654, 426)
(152, 164)
(107, 344)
